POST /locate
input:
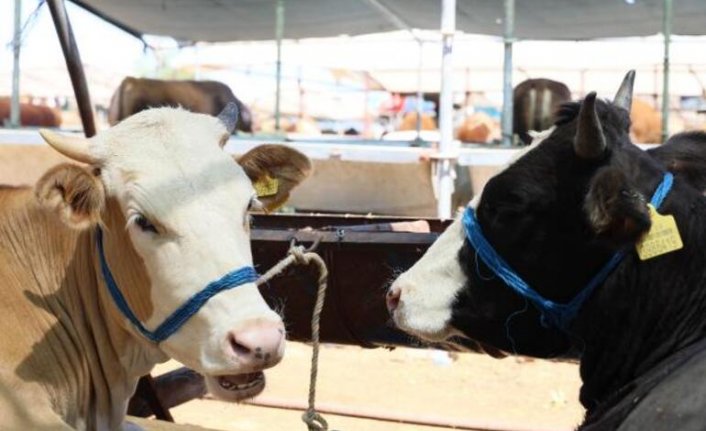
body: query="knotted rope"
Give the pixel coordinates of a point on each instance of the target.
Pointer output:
(299, 255)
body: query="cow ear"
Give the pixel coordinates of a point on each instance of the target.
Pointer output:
(74, 193)
(274, 170)
(616, 210)
(684, 154)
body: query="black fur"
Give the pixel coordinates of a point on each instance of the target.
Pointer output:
(536, 215)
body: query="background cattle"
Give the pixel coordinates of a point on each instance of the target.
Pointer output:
(31, 115)
(478, 127)
(534, 103)
(206, 97)
(409, 122)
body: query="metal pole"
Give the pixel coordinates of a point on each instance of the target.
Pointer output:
(279, 32)
(73, 63)
(667, 30)
(15, 103)
(507, 72)
(420, 93)
(444, 165)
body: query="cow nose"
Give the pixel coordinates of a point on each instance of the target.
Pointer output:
(393, 298)
(258, 345)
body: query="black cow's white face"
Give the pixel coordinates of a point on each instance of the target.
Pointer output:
(556, 215)
(425, 298)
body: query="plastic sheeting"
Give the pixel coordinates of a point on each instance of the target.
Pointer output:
(230, 20)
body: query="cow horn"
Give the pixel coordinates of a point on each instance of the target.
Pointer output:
(623, 98)
(589, 142)
(229, 116)
(73, 147)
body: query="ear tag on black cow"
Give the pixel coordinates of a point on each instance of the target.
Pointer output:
(266, 186)
(662, 238)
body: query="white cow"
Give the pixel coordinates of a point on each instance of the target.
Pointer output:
(160, 215)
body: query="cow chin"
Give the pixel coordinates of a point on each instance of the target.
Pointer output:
(431, 328)
(236, 388)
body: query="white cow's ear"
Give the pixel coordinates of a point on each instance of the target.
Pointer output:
(76, 194)
(274, 170)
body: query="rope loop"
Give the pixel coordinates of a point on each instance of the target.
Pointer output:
(299, 255)
(314, 421)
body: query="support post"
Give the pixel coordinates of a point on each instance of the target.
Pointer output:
(420, 94)
(445, 165)
(73, 63)
(15, 102)
(508, 38)
(667, 30)
(279, 33)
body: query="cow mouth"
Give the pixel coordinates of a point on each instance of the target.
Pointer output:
(236, 387)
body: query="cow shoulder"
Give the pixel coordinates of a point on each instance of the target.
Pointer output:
(678, 402)
(287, 165)
(74, 193)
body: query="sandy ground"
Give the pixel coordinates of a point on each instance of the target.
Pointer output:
(512, 393)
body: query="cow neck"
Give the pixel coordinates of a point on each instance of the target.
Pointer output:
(553, 314)
(123, 358)
(647, 312)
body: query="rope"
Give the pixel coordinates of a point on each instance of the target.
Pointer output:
(297, 254)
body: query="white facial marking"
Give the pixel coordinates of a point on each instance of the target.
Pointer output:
(429, 289)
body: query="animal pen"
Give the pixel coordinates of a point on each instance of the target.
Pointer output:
(367, 246)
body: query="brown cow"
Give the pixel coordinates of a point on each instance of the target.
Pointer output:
(409, 122)
(207, 97)
(31, 115)
(534, 104)
(478, 127)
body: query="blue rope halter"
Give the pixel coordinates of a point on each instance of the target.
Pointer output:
(553, 314)
(171, 324)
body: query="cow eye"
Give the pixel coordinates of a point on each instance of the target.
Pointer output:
(144, 224)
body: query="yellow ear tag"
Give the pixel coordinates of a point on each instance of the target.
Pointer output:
(662, 238)
(266, 186)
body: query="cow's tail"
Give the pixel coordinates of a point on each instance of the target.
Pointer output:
(545, 119)
(530, 112)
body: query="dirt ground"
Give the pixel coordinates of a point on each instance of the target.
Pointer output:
(471, 390)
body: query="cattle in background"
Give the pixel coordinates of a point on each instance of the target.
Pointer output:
(544, 263)
(207, 97)
(30, 114)
(140, 255)
(478, 127)
(534, 103)
(646, 122)
(409, 122)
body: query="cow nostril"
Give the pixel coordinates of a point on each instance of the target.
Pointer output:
(238, 348)
(393, 298)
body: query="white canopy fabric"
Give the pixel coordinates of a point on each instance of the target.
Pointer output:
(232, 20)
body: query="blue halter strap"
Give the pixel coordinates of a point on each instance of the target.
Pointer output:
(553, 314)
(171, 324)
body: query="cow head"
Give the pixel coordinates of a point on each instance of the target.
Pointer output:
(172, 207)
(556, 215)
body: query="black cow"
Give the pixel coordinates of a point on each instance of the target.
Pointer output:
(534, 103)
(565, 219)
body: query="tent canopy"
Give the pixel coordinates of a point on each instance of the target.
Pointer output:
(230, 20)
